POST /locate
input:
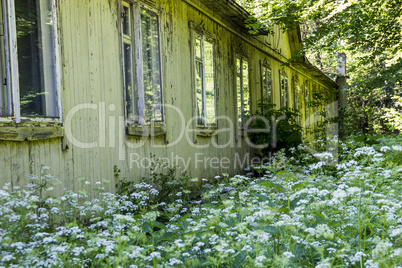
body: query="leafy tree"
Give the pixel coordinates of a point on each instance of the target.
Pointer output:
(369, 32)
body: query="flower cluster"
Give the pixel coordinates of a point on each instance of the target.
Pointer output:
(321, 214)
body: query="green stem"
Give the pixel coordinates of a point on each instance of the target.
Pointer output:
(277, 245)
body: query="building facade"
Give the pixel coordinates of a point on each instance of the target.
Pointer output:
(101, 89)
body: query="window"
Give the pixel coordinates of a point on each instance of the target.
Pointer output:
(28, 70)
(307, 104)
(317, 114)
(297, 100)
(284, 90)
(204, 80)
(243, 91)
(142, 64)
(266, 74)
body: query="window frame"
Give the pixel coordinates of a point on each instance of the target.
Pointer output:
(242, 124)
(136, 124)
(283, 77)
(266, 66)
(12, 69)
(317, 109)
(205, 37)
(307, 100)
(298, 94)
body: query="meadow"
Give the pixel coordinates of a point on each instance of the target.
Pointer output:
(340, 206)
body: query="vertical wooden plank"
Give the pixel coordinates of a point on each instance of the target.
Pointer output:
(138, 64)
(12, 60)
(95, 88)
(57, 59)
(67, 75)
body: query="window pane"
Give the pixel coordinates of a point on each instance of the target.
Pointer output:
(128, 81)
(198, 81)
(316, 108)
(36, 53)
(246, 92)
(297, 97)
(238, 66)
(151, 66)
(209, 82)
(297, 101)
(284, 92)
(267, 84)
(198, 47)
(239, 108)
(307, 106)
(5, 97)
(126, 20)
(317, 116)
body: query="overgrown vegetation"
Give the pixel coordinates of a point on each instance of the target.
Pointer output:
(281, 129)
(368, 32)
(307, 210)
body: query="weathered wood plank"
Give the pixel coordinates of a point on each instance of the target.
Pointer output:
(92, 73)
(30, 133)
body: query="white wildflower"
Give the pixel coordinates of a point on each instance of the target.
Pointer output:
(288, 254)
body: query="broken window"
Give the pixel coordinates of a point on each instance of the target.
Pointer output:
(29, 59)
(142, 64)
(267, 84)
(284, 90)
(243, 91)
(307, 104)
(204, 80)
(297, 99)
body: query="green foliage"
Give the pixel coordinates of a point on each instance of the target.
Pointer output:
(368, 140)
(367, 31)
(161, 175)
(318, 103)
(281, 128)
(393, 116)
(162, 185)
(290, 215)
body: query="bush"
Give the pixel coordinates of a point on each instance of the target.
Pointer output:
(283, 132)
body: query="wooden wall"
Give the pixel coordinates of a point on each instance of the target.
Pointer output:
(91, 60)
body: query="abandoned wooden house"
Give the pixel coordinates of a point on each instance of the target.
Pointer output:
(92, 89)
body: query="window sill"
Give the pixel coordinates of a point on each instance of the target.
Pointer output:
(30, 131)
(208, 131)
(145, 130)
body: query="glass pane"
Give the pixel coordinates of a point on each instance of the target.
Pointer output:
(307, 106)
(36, 48)
(239, 101)
(267, 84)
(5, 98)
(198, 82)
(286, 89)
(297, 101)
(246, 92)
(284, 92)
(238, 66)
(297, 97)
(128, 81)
(151, 66)
(313, 108)
(198, 47)
(126, 20)
(209, 82)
